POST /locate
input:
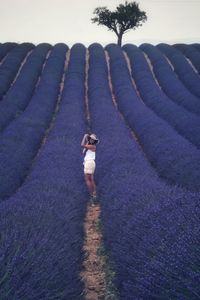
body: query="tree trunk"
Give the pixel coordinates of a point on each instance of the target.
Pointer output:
(119, 39)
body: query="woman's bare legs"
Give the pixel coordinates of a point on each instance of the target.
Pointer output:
(89, 179)
(94, 185)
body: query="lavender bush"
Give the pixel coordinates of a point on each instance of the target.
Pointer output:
(18, 96)
(42, 224)
(175, 158)
(183, 69)
(186, 123)
(150, 229)
(20, 141)
(169, 82)
(5, 48)
(11, 64)
(196, 45)
(191, 53)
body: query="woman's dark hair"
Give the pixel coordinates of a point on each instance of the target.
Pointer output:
(91, 141)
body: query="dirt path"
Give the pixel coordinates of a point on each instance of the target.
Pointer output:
(93, 274)
(97, 273)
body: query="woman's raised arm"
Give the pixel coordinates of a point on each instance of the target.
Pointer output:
(84, 140)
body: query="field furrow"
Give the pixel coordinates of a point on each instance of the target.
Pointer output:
(42, 224)
(139, 239)
(146, 224)
(182, 68)
(184, 122)
(169, 81)
(10, 66)
(19, 95)
(174, 158)
(191, 53)
(21, 140)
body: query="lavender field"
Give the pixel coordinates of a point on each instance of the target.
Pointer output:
(143, 102)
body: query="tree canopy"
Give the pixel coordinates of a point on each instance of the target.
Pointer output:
(126, 16)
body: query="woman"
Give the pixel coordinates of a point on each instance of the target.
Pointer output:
(89, 143)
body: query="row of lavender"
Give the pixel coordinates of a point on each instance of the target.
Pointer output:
(42, 223)
(150, 229)
(11, 65)
(190, 53)
(19, 94)
(182, 68)
(74, 124)
(196, 45)
(185, 122)
(170, 83)
(5, 48)
(21, 139)
(174, 157)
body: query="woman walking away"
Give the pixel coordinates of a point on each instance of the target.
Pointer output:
(89, 143)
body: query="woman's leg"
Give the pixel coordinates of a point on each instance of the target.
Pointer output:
(88, 180)
(89, 168)
(94, 185)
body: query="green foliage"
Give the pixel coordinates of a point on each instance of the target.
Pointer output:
(126, 16)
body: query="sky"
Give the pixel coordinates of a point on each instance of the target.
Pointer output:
(69, 21)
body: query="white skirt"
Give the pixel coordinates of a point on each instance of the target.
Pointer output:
(89, 166)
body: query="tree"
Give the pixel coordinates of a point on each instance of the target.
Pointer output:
(124, 18)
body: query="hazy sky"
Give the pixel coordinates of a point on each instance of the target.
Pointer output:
(69, 21)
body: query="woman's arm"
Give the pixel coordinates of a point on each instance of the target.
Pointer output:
(86, 146)
(84, 140)
(91, 147)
